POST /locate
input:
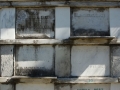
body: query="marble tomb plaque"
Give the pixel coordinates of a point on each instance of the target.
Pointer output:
(34, 60)
(90, 22)
(90, 61)
(35, 23)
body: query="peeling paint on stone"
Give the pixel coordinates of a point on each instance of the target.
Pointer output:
(7, 58)
(35, 60)
(90, 22)
(35, 23)
(62, 60)
(90, 61)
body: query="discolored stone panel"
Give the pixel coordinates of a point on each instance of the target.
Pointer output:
(115, 61)
(90, 22)
(35, 60)
(35, 23)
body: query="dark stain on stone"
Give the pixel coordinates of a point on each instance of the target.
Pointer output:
(34, 72)
(29, 22)
(89, 32)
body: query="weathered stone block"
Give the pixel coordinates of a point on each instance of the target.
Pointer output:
(35, 23)
(91, 87)
(115, 86)
(7, 23)
(90, 22)
(114, 22)
(62, 87)
(90, 61)
(35, 86)
(115, 61)
(62, 22)
(6, 87)
(7, 59)
(62, 60)
(34, 60)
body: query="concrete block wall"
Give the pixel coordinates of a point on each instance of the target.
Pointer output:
(69, 61)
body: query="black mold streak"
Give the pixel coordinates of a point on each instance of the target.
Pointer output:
(33, 22)
(89, 32)
(34, 72)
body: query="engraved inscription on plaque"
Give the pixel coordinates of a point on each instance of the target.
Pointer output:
(35, 23)
(90, 22)
(90, 61)
(91, 87)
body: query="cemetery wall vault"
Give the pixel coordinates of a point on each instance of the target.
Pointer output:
(59, 44)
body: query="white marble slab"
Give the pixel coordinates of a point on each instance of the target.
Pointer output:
(115, 86)
(91, 87)
(62, 60)
(35, 86)
(35, 60)
(7, 58)
(90, 22)
(115, 22)
(90, 61)
(7, 23)
(62, 22)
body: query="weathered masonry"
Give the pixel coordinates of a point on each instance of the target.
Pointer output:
(60, 44)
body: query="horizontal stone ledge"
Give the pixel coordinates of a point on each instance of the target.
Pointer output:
(58, 80)
(25, 79)
(88, 80)
(92, 37)
(83, 3)
(71, 41)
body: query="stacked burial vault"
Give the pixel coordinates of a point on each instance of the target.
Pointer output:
(60, 45)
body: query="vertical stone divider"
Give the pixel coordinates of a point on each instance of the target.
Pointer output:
(115, 22)
(7, 22)
(62, 60)
(115, 61)
(62, 23)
